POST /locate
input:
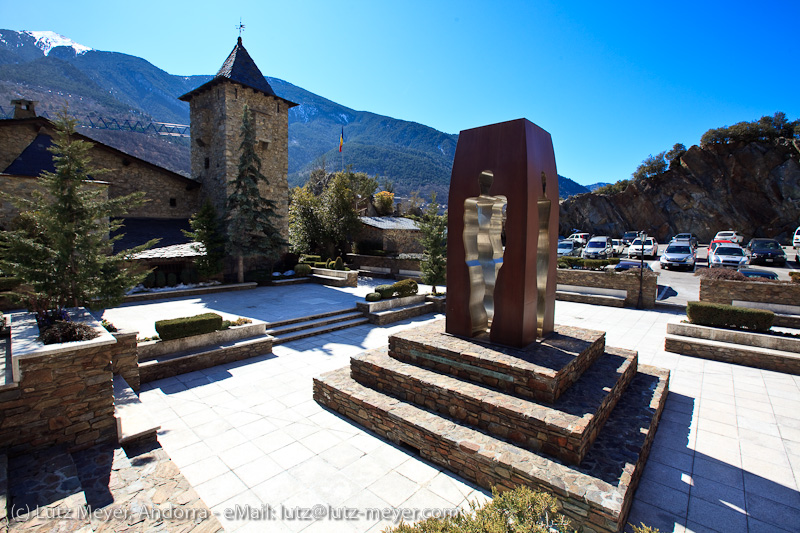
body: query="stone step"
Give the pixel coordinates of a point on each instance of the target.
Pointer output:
(280, 323)
(133, 421)
(541, 371)
(597, 494)
(314, 323)
(737, 354)
(320, 330)
(45, 493)
(565, 429)
(401, 313)
(169, 365)
(594, 299)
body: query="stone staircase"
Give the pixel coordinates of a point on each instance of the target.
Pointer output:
(567, 415)
(300, 328)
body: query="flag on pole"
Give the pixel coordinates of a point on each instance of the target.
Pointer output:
(341, 139)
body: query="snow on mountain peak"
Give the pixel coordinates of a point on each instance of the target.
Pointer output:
(47, 40)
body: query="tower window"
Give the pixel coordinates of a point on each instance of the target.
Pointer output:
(173, 202)
(206, 163)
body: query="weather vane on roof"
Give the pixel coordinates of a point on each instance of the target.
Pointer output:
(240, 27)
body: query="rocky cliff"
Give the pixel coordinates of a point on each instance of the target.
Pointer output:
(753, 188)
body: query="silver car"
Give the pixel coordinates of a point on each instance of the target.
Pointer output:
(568, 248)
(679, 254)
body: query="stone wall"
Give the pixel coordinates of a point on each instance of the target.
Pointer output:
(216, 136)
(24, 187)
(627, 281)
(394, 241)
(392, 263)
(125, 358)
(724, 291)
(13, 140)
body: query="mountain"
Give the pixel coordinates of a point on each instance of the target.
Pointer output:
(594, 186)
(752, 187)
(567, 187)
(54, 70)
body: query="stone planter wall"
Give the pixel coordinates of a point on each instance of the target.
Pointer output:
(627, 281)
(724, 291)
(125, 359)
(61, 394)
(349, 277)
(391, 303)
(152, 349)
(390, 265)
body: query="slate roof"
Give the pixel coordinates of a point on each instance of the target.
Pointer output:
(399, 223)
(34, 159)
(239, 68)
(140, 230)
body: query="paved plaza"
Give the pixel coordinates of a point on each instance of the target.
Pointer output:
(726, 456)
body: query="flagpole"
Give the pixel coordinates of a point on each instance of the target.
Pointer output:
(341, 147)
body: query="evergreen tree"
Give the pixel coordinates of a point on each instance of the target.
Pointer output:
(206, 230)
(305, 224)
(339, 218)
(61, 248)
(433, 228)
(251, 232)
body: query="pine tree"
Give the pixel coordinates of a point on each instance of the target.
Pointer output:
(61, 248)
(433, 228)
(206, 230)
(251, 232)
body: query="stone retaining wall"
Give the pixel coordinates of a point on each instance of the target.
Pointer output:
(125, 359)
(627, 281)
(392, 263)
(723, 291)
(153, 349)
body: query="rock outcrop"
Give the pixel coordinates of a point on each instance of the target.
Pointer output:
(753, 188)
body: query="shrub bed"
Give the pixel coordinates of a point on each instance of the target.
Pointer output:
(302, 270)
(729, 316)
(63, 331)
(178, 328)
(590, 264)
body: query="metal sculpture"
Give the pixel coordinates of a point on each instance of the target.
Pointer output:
(509, 292)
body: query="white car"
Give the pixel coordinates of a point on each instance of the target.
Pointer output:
(618, 245)
(727, 255)
(729, 235)
(580, 238)
(796, 239)
(650, 248)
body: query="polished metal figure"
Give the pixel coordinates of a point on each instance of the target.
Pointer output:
(483, 247)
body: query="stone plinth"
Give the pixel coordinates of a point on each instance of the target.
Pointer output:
(541, 371)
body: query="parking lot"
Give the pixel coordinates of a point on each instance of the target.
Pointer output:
(680, 286)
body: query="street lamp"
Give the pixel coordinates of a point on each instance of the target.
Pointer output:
(643, 238)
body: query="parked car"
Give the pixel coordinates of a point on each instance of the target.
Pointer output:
(758, 273)
(767, 251)
(617, 246)
(650, 248)
(713, 245)
(679, 254)
(568, 248)
(629, 236)
(685, 237)
(729, 235)
(598, 248)
(796, 238)
(628, 265)
(580, 238)
(727, 255)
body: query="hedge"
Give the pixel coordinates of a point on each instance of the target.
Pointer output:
(386, 291)
(373, 297)
(178, 328)
(302, 269)
(406, 287)
(729, 316)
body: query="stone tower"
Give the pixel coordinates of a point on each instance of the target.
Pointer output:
(216, 110)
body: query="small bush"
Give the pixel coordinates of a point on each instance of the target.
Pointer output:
(321, 264)
(161, 280)
(338, 264)
(111, 328)
(178, 328)
(406, 287)
(311, 259)
(386, 291)
(571, 262)
(63, 331)
(729, 316)
(149, 281)
(795, 275)
(331, 265)
(302, 270)
(373, 297)
(721, 273)
(172, 279)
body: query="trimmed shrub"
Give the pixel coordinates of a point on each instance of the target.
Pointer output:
(729, 316)
(406, 287)
(722, 273)
(795, 275)
(386, 291)
(172, 279)
(320, 264)
(178, 328)
(161, 280)
(331, 265)
(186, 277)
(149, 281)
(338, 264)
(302, 270)
(571, 262)
(311, 259)
(373, 297)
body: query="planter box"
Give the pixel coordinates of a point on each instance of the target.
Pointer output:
(392, 303)
(758, 350)
(153, 349)
(613, 282)
(335, 278)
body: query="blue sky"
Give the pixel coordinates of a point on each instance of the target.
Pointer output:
(611, 81)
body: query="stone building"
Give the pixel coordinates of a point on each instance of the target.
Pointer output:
(24, 155)
(393, 235)
(216, 110)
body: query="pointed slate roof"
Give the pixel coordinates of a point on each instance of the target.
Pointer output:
(239, 68)
(34, 159)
